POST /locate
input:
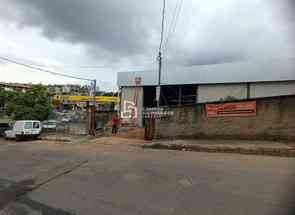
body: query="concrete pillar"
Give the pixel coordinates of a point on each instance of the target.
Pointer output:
(197, 94)
(248, 90)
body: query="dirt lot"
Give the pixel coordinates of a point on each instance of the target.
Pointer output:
(115, 176)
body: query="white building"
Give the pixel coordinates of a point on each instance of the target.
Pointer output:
(208, 83)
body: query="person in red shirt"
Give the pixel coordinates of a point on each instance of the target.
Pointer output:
(115, 124)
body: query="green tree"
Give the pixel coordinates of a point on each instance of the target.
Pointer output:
(33, 104)
(2, 98)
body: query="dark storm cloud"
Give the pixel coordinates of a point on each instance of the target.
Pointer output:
(121, 27)
(208, 31)
(213, 58)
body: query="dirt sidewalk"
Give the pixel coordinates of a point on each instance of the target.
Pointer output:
(270, 148)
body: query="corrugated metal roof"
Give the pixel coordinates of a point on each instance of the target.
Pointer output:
(241, 72)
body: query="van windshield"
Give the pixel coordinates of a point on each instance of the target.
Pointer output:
(28, 125)
(36, 125)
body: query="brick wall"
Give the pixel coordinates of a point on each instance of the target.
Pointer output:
(275, 120)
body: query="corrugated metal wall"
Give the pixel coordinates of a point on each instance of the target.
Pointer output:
(233, 72)
(258, 90)
(132, 94)
(217, 92)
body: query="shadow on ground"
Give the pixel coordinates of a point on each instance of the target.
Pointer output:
(13, 200)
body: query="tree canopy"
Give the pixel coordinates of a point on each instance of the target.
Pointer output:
(34, 104)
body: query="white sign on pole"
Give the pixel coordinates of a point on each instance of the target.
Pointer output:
(137, 80)
(158, 91)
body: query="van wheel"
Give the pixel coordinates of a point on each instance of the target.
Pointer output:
(18, 138)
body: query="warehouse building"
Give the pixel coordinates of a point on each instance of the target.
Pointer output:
(197, 85)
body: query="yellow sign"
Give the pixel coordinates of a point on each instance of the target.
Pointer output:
(99, 99)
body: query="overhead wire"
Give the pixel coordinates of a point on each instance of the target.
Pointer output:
(174, 21)
(68, 67)
(162, 27)
(171, 22)
(30, 66)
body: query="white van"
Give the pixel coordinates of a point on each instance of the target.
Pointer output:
(24, 129)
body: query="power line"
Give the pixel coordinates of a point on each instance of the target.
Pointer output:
(43, 70)
(171, 23)
(76, 67)
(67, 67)
(21, 60)
(162, 27)
(174, 22)
(158, 89)
(81, 67)
(178, 13)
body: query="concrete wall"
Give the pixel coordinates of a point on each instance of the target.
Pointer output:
(216, 92)
(129, 94)
(274, 120)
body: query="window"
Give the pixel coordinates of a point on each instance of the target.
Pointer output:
(149, 96)
(28, 125)
(36, 125)
(188, 94)
(179, 95)
(169, 95)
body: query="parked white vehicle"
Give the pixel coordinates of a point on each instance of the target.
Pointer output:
(24, 129)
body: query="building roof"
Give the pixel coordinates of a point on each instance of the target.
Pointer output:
(16, 85)
(240, 72)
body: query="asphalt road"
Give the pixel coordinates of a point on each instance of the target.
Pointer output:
(120, 178)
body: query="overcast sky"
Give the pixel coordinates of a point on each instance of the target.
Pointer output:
(110, 36)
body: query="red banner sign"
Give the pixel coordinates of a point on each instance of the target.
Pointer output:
(231, 109)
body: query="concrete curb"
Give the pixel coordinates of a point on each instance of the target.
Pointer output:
(267, 151)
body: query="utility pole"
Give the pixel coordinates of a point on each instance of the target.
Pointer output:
(92, 118)
(158, 89)
(94, 109)
(94, 92)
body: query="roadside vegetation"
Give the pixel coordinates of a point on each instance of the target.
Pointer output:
(32, 104)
